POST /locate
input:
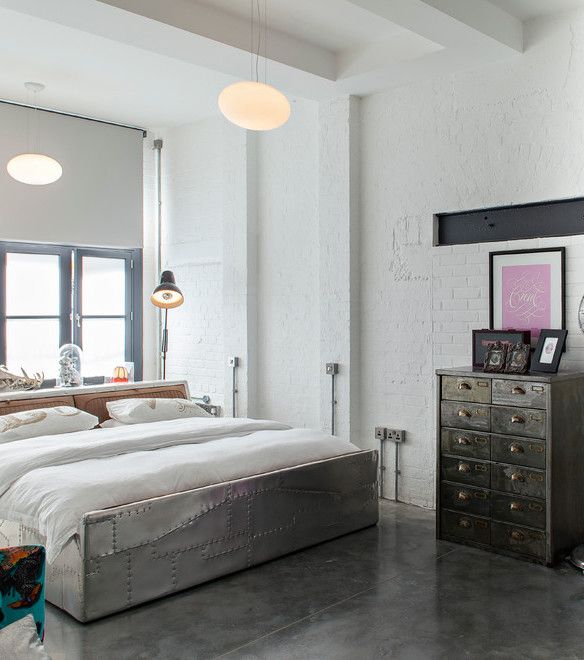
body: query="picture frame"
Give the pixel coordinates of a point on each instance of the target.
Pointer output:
(548, 352)
(518, 358)
(496, 358)
(482, 339)
(527, 290)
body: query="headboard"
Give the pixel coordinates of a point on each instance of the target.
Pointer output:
(94, 403)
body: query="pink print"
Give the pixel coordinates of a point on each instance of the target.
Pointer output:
(526, 297)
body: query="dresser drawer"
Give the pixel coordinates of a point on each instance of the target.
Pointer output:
(472, 416)
(518, 480)
(519, 393)
(518, 421)
(465, 471)
(465, 443)
(466, 499)
(518, 451)
(464, 527)
(518, 510)
(518, 539)
(474, 390)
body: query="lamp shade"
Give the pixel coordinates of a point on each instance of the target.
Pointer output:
(167, 294)
(34, 169)
(254, 105)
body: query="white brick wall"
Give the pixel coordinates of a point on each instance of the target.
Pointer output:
(509, 133)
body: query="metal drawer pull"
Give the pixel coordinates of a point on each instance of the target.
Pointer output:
(517, 390)
(517, 536)
(464, 386)
(463, 496)
(536, 507)
(464, 413)
(516, 449)
(517, 419)
(517, 476)
(463, 522)
(516, 506)
(463, 440)
(463, 467)
(537, 388)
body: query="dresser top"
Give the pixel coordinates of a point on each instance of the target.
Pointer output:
(539, 377)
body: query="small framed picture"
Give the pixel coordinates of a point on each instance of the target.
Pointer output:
(518, 359)
(496, 357)
(482, 339)
(548, 351)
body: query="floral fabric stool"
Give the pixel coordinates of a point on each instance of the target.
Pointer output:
(22, 585)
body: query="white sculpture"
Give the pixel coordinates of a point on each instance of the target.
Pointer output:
(10, 381)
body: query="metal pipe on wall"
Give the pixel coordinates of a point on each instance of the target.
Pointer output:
(158, 174)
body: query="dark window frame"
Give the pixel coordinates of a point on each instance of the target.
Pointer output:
(71, 257)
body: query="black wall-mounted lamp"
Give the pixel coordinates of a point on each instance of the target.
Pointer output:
(166, 296)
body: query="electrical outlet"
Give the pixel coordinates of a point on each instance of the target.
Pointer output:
(233, 362)
(332, 368)
(395, 435)
(380, 432)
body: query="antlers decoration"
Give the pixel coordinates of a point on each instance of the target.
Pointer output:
(10, 381)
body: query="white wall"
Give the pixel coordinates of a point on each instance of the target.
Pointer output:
(288, 279)
(98, 199)
(506, 134)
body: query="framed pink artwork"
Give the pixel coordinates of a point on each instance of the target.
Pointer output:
(528, 290)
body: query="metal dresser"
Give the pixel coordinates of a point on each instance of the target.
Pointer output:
(510, 474)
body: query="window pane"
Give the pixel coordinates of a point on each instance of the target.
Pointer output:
(103, 346)
(103, 286)
(32, 344)
(32, 284)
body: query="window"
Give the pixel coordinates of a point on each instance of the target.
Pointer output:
(52, 295)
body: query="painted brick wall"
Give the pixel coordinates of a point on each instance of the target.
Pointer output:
(192, 190)
(509, 133)
(288, 294)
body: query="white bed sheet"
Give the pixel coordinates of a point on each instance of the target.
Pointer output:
(48, 483)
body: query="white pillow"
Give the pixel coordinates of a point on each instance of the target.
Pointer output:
(138, 411)
(44, 421)
(110, 424)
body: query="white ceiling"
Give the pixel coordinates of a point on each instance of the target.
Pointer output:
(528, 9)
(154, 63)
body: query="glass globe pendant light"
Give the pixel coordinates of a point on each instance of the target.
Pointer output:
(32, 168)
(252, 104)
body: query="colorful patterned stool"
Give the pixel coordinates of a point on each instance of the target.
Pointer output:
(22, 585)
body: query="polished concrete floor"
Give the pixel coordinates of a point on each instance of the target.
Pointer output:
(390, 591)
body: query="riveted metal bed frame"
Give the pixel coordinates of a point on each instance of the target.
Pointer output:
(135, 553)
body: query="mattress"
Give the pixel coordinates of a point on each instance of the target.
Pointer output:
(49, 483)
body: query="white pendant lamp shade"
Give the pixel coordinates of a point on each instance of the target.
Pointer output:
(254, 105)
(34, 169)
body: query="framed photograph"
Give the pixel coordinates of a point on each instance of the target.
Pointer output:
(548, 351)
(528, 290)
(482, 339)
(496, 357)
(518, 357)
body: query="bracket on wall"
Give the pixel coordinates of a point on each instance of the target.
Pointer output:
(564, 217)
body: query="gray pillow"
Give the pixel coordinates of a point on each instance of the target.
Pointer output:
(19, 641)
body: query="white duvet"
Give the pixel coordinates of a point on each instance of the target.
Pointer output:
(49, 482)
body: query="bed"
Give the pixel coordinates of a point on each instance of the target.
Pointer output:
(259, 490)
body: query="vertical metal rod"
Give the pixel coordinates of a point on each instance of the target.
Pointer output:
(158, 174)
(333, 404)
(234, 391)
(164, 347)
(381, 467)
(397, 471)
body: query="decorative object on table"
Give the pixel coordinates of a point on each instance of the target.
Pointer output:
(69, 366)
(31, 167)
(120, 375)
(166, 296)
(13, 382)
(482, 339)
(528, 290)
(496, 357)
(518, 356)
(22, 585)
(548, 351)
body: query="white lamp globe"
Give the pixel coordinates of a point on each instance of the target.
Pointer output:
(254, 105)
(34, 169)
